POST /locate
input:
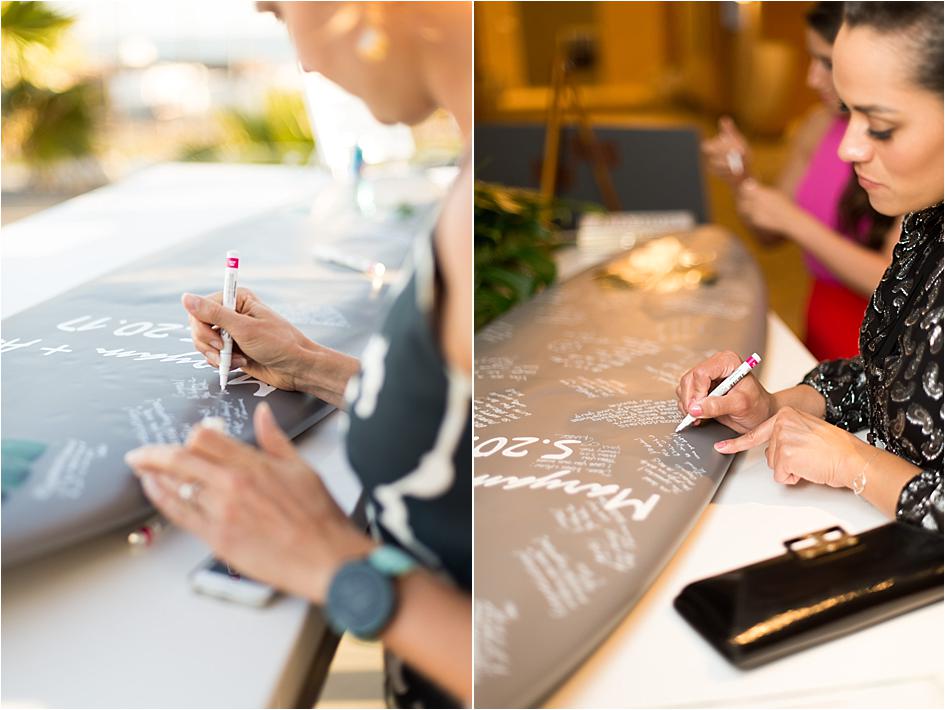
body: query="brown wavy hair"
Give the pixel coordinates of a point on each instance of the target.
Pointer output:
(854, 209)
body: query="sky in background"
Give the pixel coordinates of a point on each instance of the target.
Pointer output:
(209, 31)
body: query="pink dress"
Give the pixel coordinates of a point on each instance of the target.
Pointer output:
(834, 312)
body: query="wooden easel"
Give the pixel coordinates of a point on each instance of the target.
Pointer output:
(565, 98)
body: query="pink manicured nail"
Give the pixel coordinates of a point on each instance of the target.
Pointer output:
(191, 301)
(721, 445)
(695, 409)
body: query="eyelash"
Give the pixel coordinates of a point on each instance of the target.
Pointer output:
(877, 135)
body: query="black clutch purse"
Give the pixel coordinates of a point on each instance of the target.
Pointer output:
(828, 584)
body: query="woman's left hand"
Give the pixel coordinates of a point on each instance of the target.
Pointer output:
(767, 208)
(802, 446)
(264, 511)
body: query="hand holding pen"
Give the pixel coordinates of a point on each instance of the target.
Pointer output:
(727, 152)
(746, 403)
(268, 347)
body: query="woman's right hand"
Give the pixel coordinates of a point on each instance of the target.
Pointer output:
(265, 345)
(747, 404)
(718, 152)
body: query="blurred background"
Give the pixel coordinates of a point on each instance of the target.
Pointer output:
(96, 90)
(663, 64)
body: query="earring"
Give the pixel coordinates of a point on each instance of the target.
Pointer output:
(372, 44)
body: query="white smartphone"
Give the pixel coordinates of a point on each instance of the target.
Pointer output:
(217, 579)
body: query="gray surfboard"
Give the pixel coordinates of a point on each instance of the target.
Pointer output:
(109, 366)
(582, 489)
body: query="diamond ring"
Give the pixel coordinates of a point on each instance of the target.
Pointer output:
(187, 491)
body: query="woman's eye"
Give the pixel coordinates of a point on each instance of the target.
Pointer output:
(880, 135)
(843, 108)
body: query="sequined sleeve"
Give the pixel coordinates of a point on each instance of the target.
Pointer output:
(843, 385)
(920, 502)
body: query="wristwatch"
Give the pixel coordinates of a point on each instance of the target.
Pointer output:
(362, 597)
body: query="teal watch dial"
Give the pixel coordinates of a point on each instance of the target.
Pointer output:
(360, 600)
(362, 596)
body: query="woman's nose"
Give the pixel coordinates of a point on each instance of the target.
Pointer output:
(855, 146)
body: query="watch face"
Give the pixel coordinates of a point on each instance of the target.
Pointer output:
(360, 600)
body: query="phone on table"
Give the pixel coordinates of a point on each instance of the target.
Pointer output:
(218, 579)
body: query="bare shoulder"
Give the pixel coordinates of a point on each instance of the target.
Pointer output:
(811, 129)
(805, 138)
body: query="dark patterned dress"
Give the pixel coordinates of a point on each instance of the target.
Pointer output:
(410, 442)
(894, 386)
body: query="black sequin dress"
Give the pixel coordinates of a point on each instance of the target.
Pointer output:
(894, 386)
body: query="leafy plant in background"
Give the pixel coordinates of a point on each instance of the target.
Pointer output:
(514, 247)
(48, 114)
(279, 134)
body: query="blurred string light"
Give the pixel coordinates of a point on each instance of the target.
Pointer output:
(176, 89)
(137, 52)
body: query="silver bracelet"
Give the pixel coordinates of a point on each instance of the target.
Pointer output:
(858, 484)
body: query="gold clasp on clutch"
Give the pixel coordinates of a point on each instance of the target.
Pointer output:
(820, 542)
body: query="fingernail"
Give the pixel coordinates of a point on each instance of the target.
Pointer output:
(217, 344)
(721, 445)
(150, 486)
(133, 457)
(695, 409)
(215, 423)
(191, 301)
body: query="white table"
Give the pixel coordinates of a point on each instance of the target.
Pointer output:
(104, 625)
(654, 659)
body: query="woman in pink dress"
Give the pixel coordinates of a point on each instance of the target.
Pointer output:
(817, 203)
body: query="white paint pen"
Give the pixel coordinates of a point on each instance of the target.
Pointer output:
(725, 385)
(331, 255)
(735, 163)
(229, 301)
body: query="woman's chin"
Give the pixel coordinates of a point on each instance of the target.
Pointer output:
(882, 200)
(391, 114)
(896, 206)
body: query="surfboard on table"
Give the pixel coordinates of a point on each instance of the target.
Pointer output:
(582, 490)
(109, 366)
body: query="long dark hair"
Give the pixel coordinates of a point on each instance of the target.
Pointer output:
(825, 19)
(855, 214)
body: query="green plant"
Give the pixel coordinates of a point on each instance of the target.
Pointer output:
(280, 133)
(25, 25)
(514, 243)
(49, 112)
